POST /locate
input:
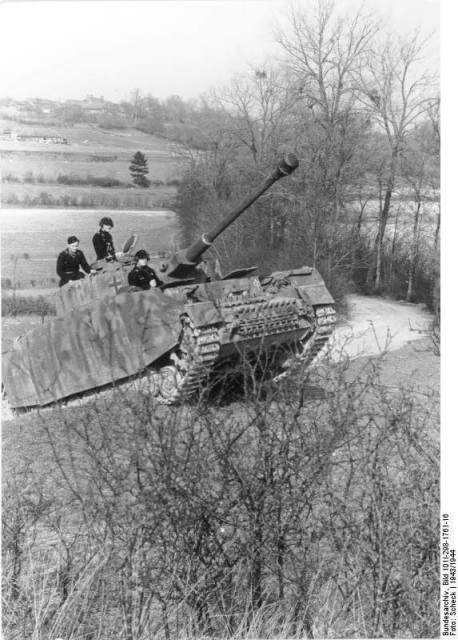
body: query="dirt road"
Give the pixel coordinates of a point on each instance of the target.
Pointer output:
(376, 325)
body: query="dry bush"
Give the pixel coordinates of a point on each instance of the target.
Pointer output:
(307, 508)
(27, 305)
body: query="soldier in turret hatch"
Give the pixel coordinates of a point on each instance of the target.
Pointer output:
(103, 241)
(69, 262)
(142, 275)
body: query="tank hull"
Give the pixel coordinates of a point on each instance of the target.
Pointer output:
(105, 341)
(190, 330)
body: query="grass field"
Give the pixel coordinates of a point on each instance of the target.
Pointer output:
(30, 169)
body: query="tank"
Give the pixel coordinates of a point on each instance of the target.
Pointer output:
(179, 336)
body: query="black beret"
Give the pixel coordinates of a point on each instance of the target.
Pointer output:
(142, 254)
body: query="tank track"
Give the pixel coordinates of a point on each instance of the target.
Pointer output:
(192, 362)
(325, 318)
(199, 349)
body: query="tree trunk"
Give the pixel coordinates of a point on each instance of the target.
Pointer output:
(271, 227)
(413, 254)
(393, 247)
(376, 270)
(437, 232)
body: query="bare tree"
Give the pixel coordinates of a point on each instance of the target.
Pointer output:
(418, 169)
(324, 53)
(398, 93)
(259, 104)
(135, 101)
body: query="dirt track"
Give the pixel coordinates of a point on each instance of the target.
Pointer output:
(399, 333)
(376, 325)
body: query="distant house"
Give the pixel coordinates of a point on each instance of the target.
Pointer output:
(17, 108)
(38, 134)
(24, 107)
(91, 107)
(30, 108)
(45, 106)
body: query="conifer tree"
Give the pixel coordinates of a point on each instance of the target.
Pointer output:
(139, 170)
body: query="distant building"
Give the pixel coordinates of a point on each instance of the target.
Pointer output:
(16, 108)
(31, 134)
(90, 106)
(45, 107)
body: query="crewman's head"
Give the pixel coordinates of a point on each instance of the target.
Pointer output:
(141, 257)
(106, 224)
(73, 243)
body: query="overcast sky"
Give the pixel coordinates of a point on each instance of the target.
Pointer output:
(68, 49)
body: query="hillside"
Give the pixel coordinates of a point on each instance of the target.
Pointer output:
(91, 169)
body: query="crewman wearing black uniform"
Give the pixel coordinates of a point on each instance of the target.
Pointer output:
(103, 242)
(69, 262)
(142, 275)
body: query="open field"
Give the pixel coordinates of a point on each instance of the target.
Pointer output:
(30, 169)
(87, 138)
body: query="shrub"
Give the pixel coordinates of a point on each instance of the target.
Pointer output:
(102, 181)
(45, 198)
(153, 126)
(27, 305)
(113, 122)
(240, 519)
(11, 198)
(101, 158)
(68, 180)
(7, 283)
(10, 177)
(174, 182)
(67, 201)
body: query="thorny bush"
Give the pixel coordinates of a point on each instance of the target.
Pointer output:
(306, 509)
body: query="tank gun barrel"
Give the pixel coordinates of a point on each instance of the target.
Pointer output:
(285, 167)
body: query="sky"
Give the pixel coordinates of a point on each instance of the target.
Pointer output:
(69, 48)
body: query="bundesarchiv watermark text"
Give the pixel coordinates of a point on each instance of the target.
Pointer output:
(448, 571)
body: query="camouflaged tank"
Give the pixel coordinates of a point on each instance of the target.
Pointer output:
(177, 335)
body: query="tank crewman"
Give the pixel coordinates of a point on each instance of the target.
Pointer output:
(69, 262)
(103, 241)
(142, 275)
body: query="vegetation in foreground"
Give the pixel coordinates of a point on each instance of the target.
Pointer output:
(310, 509)
(13, 305)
